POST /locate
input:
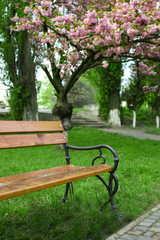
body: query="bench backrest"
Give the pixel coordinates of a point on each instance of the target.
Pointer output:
(15, 134)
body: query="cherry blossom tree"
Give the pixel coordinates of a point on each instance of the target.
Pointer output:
(77, 35)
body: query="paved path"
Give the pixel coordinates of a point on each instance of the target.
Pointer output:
(146, 227)
(135, 133)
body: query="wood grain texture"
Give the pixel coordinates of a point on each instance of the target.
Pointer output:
(30, 126)
(17, 185)
(29, 140)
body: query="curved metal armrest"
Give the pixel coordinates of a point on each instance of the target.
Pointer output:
(98, 147)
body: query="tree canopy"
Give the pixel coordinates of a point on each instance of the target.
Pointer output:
(77, 35)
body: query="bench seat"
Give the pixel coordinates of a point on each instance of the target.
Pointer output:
(20, 184)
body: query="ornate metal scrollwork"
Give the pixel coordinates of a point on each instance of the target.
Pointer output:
(99, 156)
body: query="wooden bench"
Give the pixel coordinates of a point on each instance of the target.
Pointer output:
(18, 134)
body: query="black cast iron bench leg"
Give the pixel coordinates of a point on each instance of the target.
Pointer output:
(111, 192)
(69, 187)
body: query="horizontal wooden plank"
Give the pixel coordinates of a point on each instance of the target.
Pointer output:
(29, 140)
(23, 176)
(30, 126)
(35, 181)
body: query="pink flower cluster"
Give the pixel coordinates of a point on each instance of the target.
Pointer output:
(65, 19)
(146, 70)
(147, 89)
(105, 64)
(91, 18)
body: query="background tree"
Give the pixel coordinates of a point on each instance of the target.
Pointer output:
(133, 94)
(108, 84)
(19, 65)
(152, 91)
(79, 38)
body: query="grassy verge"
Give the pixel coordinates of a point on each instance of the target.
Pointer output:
(42, 215)
(153, 130)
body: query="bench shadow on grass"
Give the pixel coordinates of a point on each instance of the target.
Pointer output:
(78, 219)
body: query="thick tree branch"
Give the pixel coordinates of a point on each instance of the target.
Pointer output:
(53, 81)
(85, 65)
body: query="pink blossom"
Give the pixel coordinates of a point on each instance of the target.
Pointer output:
(51, 35)
(45, 13)
(146, 89)
(27, 9)
(38, 22)
(63, 31)
(23, 20)
(132, 32)
(40, 34)
(142, 20)
(105, 64)
(143, 66)
(46, 4)
(67, 18)
(91, 18)
(36, 11)
(14, 19)
(105, 25)
(59, 19)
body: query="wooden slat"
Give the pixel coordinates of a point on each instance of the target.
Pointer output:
(23, 176)
(29, 140)
(36, 181)
(30, 126)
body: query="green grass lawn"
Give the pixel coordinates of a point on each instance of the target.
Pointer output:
(42, 215)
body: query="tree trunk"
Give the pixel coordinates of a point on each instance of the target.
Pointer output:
(157, 121)
(30, 111)
(157, 116)
(63, 111)
(134, 119)
(114, 114)
(27, 79)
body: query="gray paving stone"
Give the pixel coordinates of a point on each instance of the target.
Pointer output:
(156, 213)
(150, 220)
(141, 228)
(128, 237)
(156, 237)
(149, 234)
(135, 232)
(157, 224)
(155, 229)
(154, 216)
(143, 238)
(146, 224)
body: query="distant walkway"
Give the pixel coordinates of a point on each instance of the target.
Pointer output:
(134, 133)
